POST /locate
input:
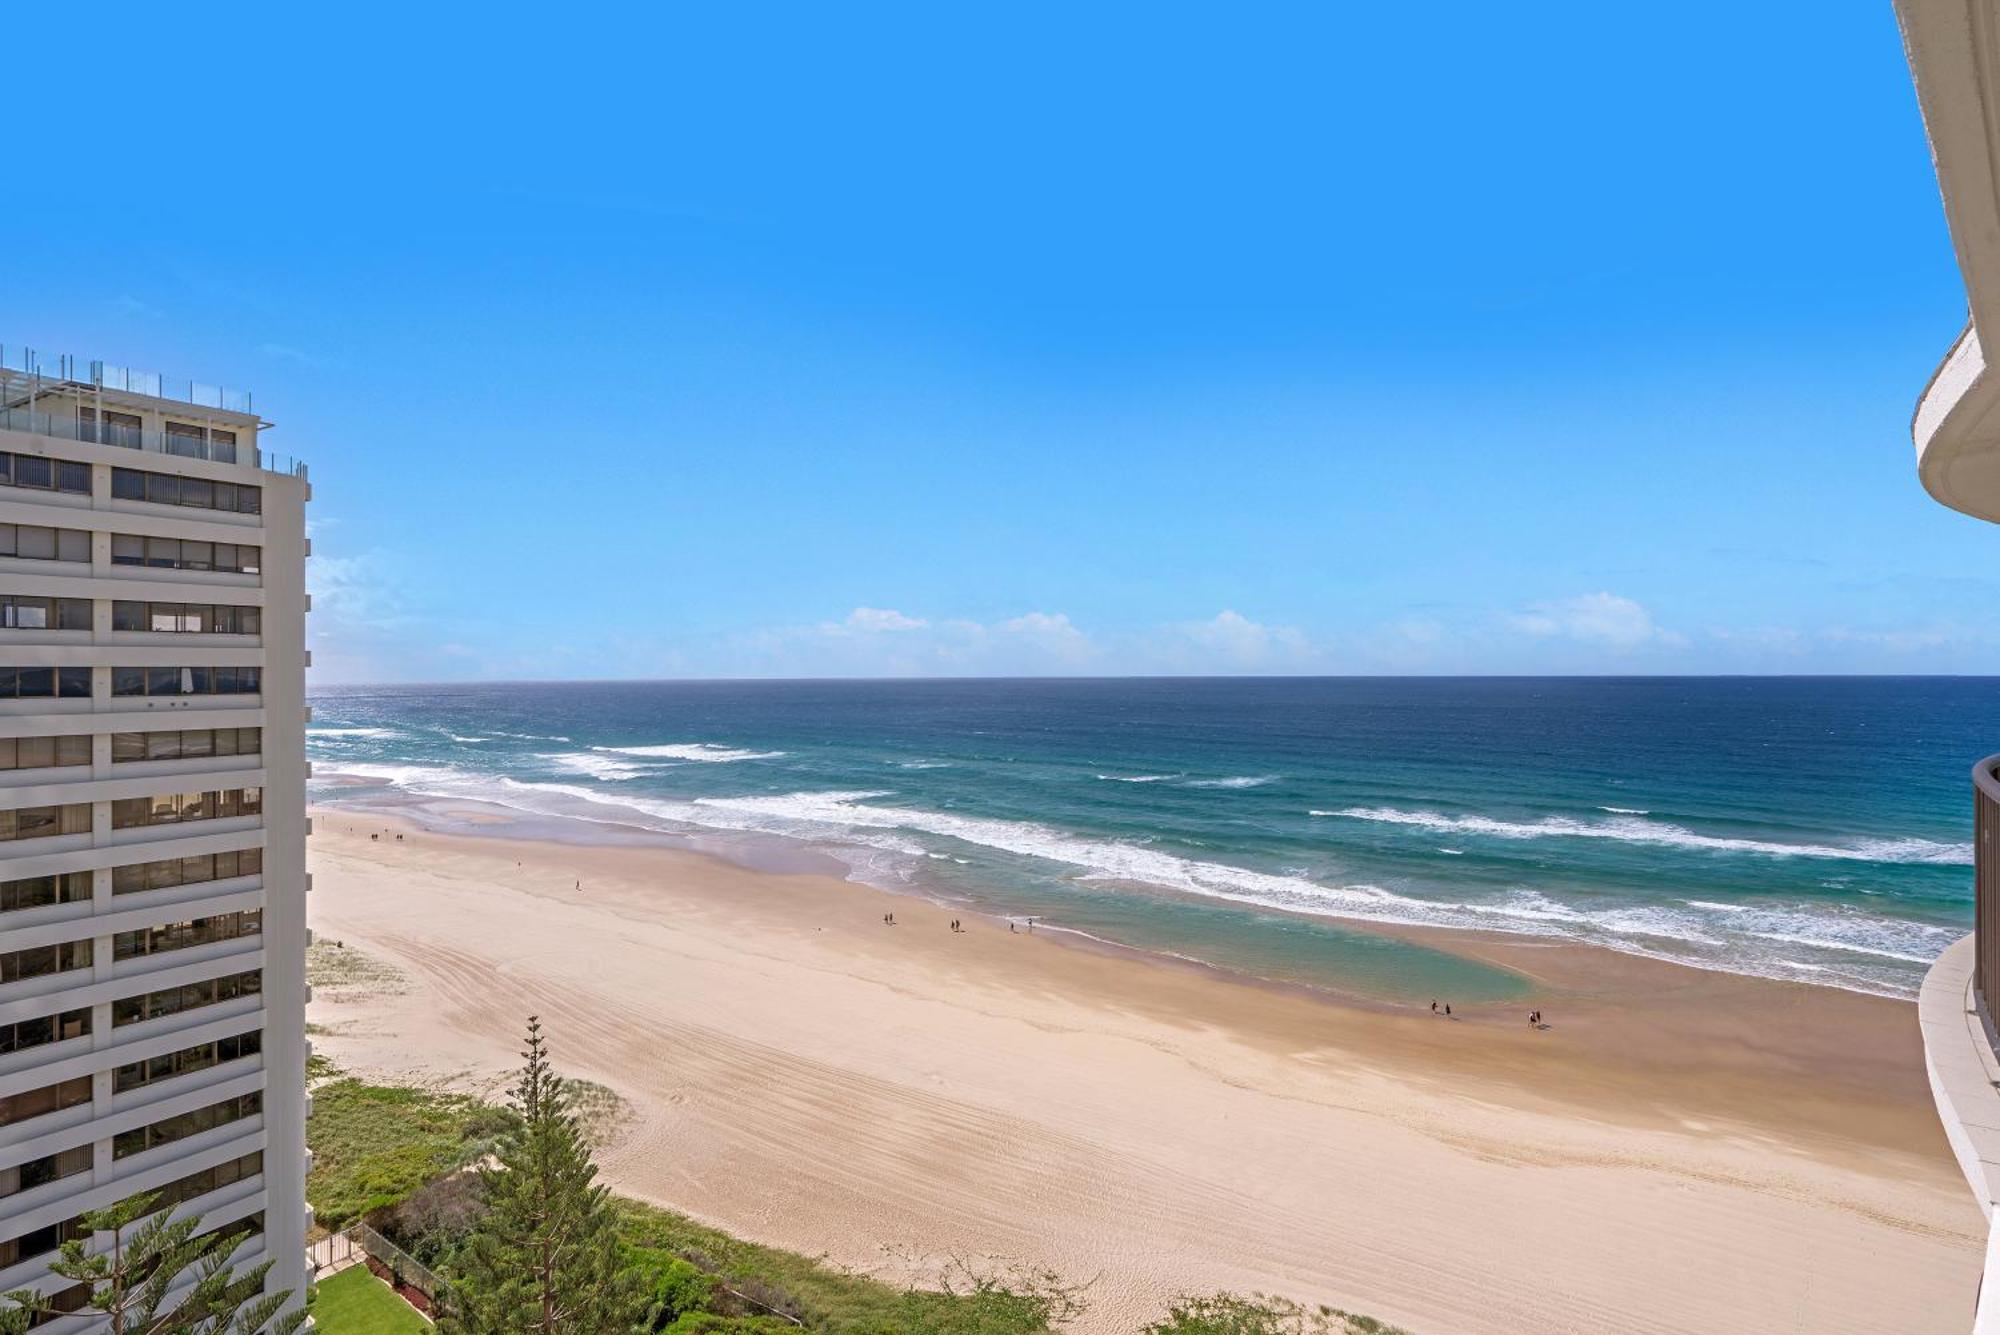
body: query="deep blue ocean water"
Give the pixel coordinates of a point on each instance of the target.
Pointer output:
(1813, 829)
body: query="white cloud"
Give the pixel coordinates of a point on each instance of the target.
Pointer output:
(1604, 619)
(869, 620)
(1231, 640)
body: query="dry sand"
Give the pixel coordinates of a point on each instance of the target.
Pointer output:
(1682, 1151)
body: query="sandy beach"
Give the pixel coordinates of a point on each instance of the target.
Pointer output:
(1679, 1151)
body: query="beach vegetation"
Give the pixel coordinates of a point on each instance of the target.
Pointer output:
(131, 1283)
(1261, 1314)
(375, 1145)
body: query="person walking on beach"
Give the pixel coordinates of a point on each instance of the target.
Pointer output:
(1447, 1010)
(1434, 1006)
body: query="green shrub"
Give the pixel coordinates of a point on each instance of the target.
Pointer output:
(1261, 1314)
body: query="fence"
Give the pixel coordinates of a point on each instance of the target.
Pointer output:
(358, 1241)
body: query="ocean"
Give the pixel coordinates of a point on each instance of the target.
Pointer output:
(1810, 829)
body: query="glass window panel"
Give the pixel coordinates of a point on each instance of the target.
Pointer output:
(73, 751)
(37, 683)
(128, 681)
(74, 683)
(250, 500)
(163, 681)
(72, 614)
(37, 752)
(30, 471)
(197, 742)
(73, 478)
(128, 746)
(197, 555)
(128, 549)
(224, 741)
(36, 542)
(163, 746)
(163, 489)
(128, 484)
(7, 753)
(128, 616)
(198, 491)
(73, 545)
(251, 559)
(9, 540)
(163, 553)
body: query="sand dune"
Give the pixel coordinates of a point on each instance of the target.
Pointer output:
(1683, 1151)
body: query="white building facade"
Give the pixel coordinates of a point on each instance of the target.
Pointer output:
(152, 815)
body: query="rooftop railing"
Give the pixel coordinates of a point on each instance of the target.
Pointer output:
(27, 387)
(66, 369)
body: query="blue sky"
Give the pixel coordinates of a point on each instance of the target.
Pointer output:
(1568, 338)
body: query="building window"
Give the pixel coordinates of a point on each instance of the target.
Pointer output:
(19, 613)
(192, 1123)
(33, 542)
(44, 1029)
(34, 1242)
(49, 1168)
(186, 744)
(39, 892)
(41, 474)
(44, 822)
(209, 1179)
(166, 873)
(177, 808)
(171, 936)
(124, 429)
(240, 558)
(186, 681)
(70, 683)
(41, 961)
(130, 484)
(186, 618)
(187, 1061)
(43, 752)
(40, 1102)
(175, 1000)
(196, 442)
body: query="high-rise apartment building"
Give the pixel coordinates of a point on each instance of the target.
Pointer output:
(152, 814)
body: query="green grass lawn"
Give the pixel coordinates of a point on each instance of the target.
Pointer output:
(354, 1302)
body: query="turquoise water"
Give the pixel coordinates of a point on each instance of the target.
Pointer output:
(1813, 829)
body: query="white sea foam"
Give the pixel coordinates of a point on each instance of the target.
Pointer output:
(1240, 781)
(400, 776)
(696, 751)
(880, 842)
(456, 738)
(1626, 811)
(1138, 778)
(352, 732)
(595, 766)
(1634, 830)
(923, 764)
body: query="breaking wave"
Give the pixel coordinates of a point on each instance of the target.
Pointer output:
(1634, 830)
